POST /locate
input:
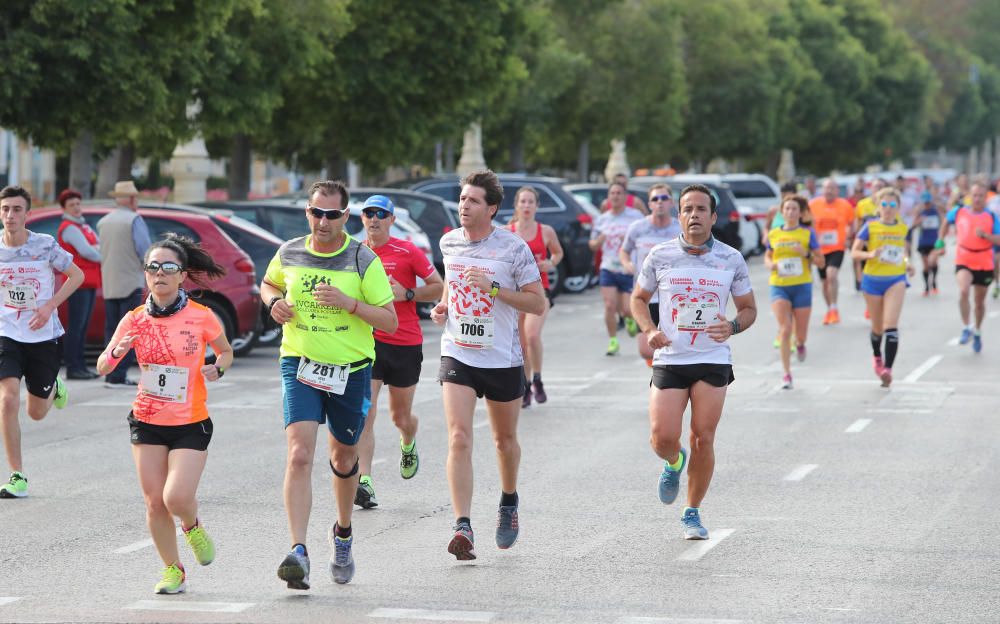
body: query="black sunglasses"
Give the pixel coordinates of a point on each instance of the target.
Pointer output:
(331, 214)
(381, 213)
(660, 198)
(169, 268)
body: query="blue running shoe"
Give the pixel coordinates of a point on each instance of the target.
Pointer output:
(507, 526)
(966, 335)
(693, 530)
(342, 562)
(977, 343)
(670, 480)
(294, 569)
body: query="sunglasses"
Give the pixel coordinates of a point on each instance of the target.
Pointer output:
(660, 198)
(331, 214)
(169, 268)
(380, 213)
(889, 204)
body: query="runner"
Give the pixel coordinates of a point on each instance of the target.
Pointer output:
(791, 249)
(398, 356)
(544, 244)
(30, 331)
(327, 291)
(491, 275)
(976, 231)
(833, 218)
(774, 218)
(169, 422)
(607, 235)
(865, 211)
(885, 248)
(929, 222)
(694, 275)
(641, 237)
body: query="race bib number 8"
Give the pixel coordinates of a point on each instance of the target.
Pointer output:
(696, 315)
(327, 377)
(166, 383)
(19, 297)
(891, 255)
(827, 238)
(474, 332)
(790, 267)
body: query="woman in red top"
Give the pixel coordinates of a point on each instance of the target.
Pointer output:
(170, 427)
(78, 238)
(544, 244)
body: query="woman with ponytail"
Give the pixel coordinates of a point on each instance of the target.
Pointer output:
(170, 427)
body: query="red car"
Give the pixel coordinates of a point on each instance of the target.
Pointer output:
(235, 298)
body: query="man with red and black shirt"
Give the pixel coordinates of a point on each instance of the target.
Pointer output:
(397, 356)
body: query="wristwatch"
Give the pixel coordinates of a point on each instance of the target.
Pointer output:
(410, 294)
(221, 370)
(274, 300)
(495, 289)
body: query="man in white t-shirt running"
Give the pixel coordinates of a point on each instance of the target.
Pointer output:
(694, 276)
(490, 276)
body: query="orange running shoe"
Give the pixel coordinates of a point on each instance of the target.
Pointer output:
(834, 317)
(826, 319)
(868, 314)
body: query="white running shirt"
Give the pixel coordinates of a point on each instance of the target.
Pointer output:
(613, 226)
(640, 239)
(482, 331)
(27, 281)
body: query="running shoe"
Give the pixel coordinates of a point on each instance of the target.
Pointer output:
(878, 365)
(294, 570)
(633, 328)
(365, 496)
(409, 461)
(826, 319)
(670, 480)
(927, 293)
(886, 377)
(341, 559)
(201, 544)
(800, 352)
(17, 487)
(786, 382)
(835, 316)
(539, 390)
(996, 290)
(977, 343)
(965, 337)
(463, 543)
(777, 342)
(507, 526)
(62, 394)
(868, 314)
(649, 362)
(172, 580)
(526, 399)
(693, 529)
(934, 291)
(612, 346)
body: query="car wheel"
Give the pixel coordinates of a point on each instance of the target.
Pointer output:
(242, 344)
(576, 284)
(270, 332)
(556, 279)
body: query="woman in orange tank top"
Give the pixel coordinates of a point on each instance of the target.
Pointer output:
(544, 244)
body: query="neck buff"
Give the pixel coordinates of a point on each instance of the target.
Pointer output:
(157, 312)
(696, 250)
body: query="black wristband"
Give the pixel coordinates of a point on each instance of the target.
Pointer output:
(270, 304)
(735, 326)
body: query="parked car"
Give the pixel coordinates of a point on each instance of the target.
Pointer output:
(597, 193)
(557, 208)
(234, 298)
(755, 190)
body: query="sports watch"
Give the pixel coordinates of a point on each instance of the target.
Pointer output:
(410, 294)
(495, 289)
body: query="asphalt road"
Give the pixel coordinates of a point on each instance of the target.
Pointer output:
(838, 501)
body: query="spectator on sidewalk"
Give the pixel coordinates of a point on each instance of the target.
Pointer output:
(79, 239)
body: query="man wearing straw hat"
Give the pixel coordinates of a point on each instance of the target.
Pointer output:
(124, 241)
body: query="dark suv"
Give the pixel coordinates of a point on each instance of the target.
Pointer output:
(556, 208)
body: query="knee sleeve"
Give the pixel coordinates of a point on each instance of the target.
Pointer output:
(350, 474)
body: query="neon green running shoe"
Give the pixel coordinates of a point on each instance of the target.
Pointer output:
(612, 347)
(631, 326)
(201, 544)
(62, 394)
(172, 580)
(17, 487)
(409, 461)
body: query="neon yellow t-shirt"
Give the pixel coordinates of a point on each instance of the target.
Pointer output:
(791, 267)
(321, 333)
(889, 244)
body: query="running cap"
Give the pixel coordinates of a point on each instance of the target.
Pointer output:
(380, 201)
(926, 196)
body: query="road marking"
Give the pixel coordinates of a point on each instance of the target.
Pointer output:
(671, 620)
(953, 342)
(887, 410)
(481, 424)
(106, 403)
(839, 609)
(858, 425)
(800, 472)
(770, 408)
(429, 614)
(6, 600)
(200, 607)
(146, 543)
(993, 314)
(698, 551)
(919, 371)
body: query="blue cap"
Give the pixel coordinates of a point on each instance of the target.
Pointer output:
(380, 201)
(926, 196)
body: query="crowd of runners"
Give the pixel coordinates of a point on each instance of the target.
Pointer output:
(663, 276)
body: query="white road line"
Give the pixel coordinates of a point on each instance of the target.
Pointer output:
(994, 314)
(900, 410)
(800, 472)
(107, 403)
(200, 607)
(919, 371)
(429, 614)
(953, 342)
(670, 620)
(146, 543)
(481, 424)
(698, 551)
(770, 408)
(6, 600)
(858, 425)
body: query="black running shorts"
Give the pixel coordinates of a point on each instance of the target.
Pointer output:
(683, 376)
(496, 384)
(195, 436)
(397, 365)
(37, 362)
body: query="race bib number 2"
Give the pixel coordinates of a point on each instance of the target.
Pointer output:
(19, 297)
(696, 315)
(166, 383)
(327, 377)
